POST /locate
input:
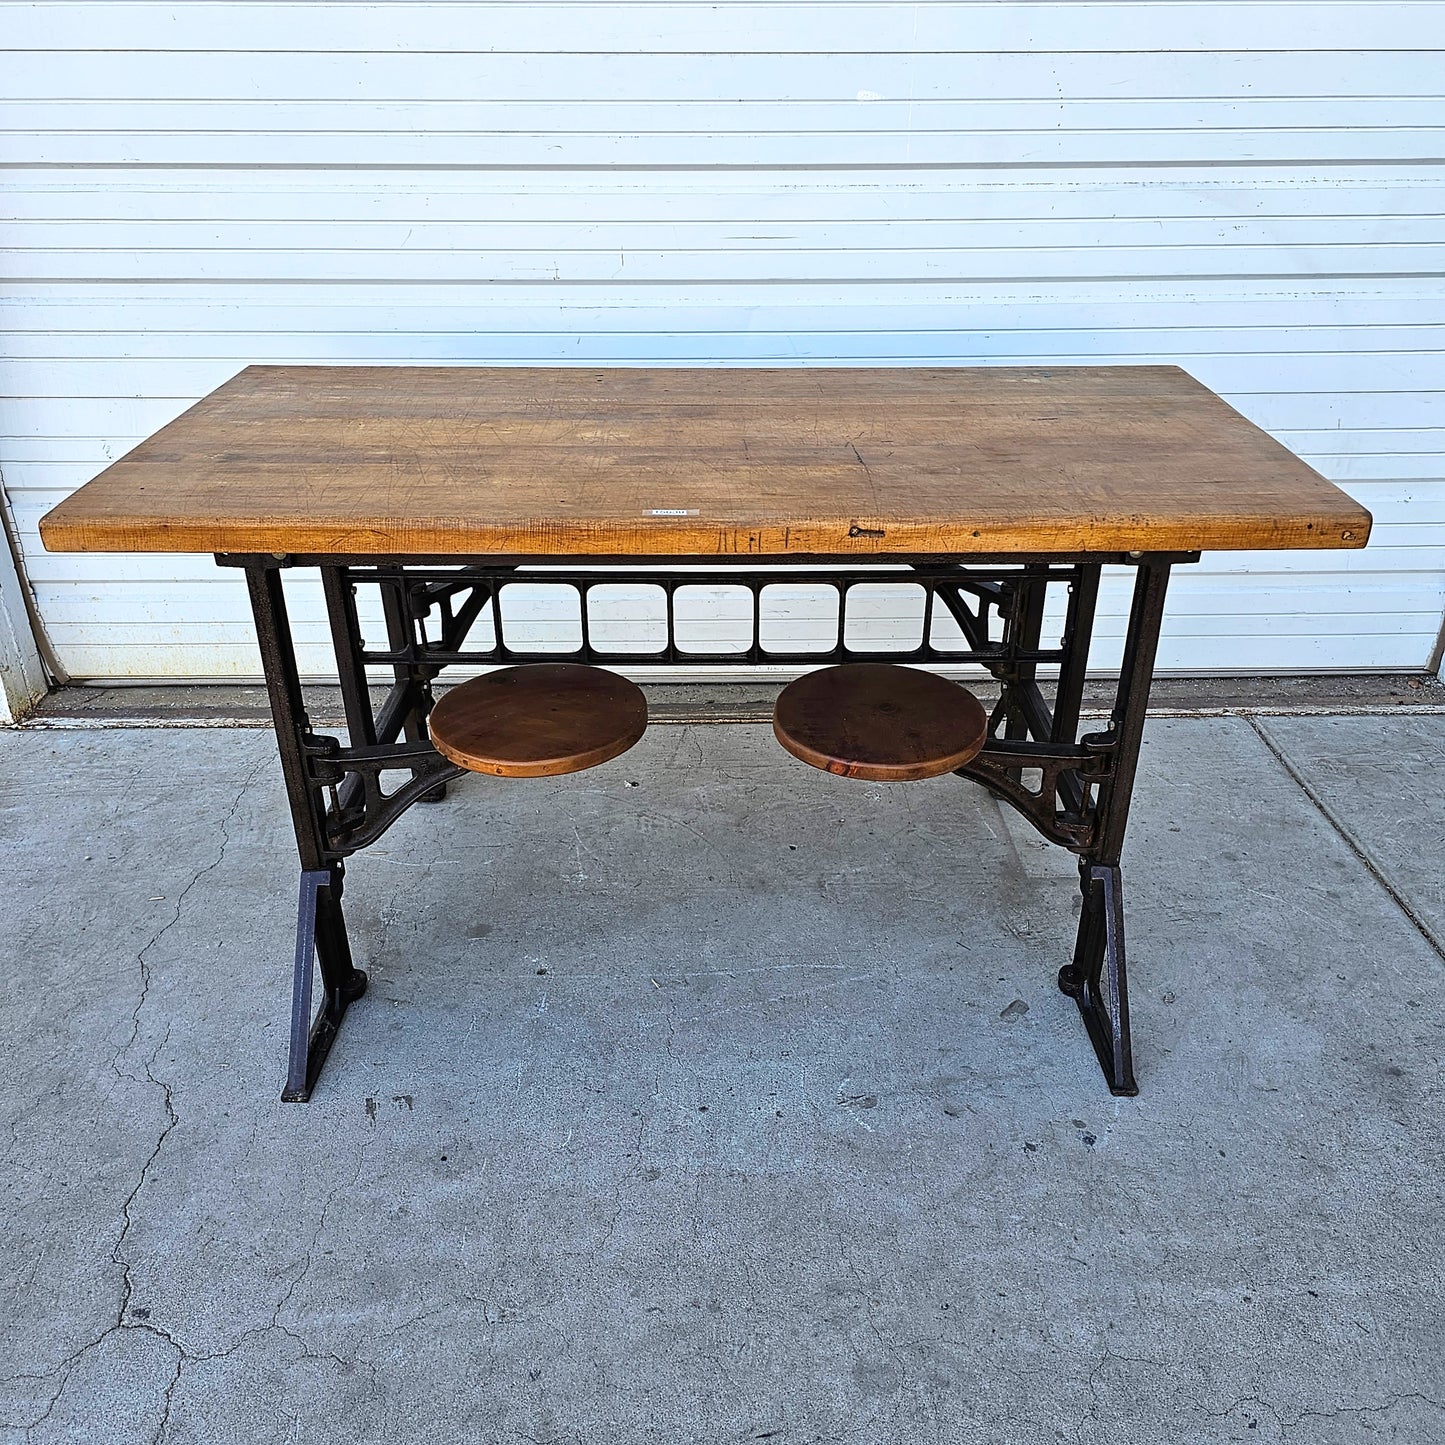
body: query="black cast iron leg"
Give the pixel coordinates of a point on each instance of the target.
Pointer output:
(1078, 634)
(1097, 979)
(1023, 627)
(320, 932)
(320, 926)
(346, 643)
(401, 636)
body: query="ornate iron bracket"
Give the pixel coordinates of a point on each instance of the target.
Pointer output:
(1000, 767)
(358, 812)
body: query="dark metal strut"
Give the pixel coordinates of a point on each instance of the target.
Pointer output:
(320, 925)
(1097, 979)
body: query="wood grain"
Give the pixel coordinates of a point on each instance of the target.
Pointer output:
(880, 721)
(533, 461)
(539, 721)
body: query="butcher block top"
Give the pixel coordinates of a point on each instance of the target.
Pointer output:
(636, 462)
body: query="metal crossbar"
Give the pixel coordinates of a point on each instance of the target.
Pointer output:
(444, 606)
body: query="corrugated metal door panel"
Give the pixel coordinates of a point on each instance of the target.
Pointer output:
(192, 187)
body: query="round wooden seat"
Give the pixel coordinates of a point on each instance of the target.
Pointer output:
(880, 721)
(539, 720)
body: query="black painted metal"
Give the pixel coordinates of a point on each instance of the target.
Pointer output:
(311, 1039)
(412, 678)
(1079, 624)
(1075, 790)
(298, 1081)
(1100, 987)
(1131, 703)
(321, 927)
(1097, 979)
(345, 639)
(1024, 707)
(416, 653)
(1069, 692)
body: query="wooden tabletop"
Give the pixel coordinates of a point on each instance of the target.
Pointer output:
(487, 461)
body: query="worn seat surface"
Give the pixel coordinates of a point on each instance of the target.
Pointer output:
(880, 721)
(539, 721)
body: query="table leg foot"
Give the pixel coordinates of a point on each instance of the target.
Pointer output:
(1097, 981)
(320, 938)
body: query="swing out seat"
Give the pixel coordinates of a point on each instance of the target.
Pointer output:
(880, 721)
(538, 720)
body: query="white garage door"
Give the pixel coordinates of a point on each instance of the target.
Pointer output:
(1250, 190)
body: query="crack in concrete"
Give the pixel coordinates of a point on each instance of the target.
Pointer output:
(175, 1380)
(316, 1236)
(27, 1113)
(1286, 1423)
(128, 1219)
(1091, 1415)
(184, 1357)
(142, 958)
(631, 1173)
(66, 1367)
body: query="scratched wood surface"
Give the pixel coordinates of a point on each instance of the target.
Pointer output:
(532, 461)
(879, 721)
(539, 721)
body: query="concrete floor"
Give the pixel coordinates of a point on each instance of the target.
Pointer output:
(706, 1098)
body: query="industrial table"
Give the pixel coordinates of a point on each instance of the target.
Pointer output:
(988, 488)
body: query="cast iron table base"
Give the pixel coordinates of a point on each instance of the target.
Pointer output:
(1074, 789)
